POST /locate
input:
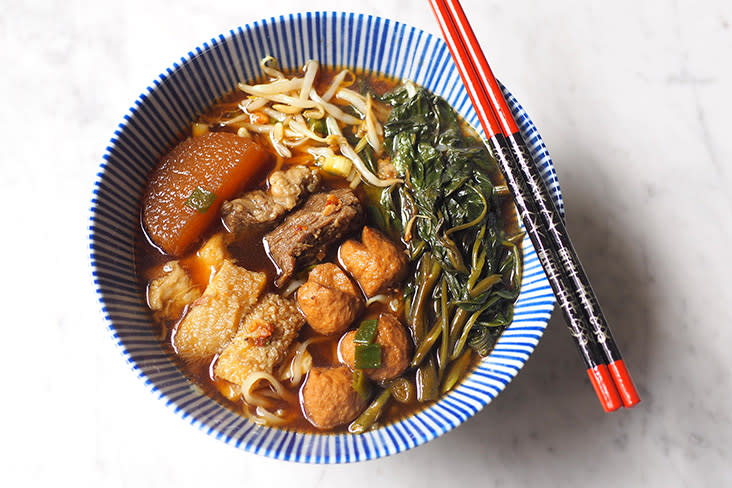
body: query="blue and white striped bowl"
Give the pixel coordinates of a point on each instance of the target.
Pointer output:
(365, 44)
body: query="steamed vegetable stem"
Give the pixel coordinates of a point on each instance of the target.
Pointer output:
(442, 353)
(426, 346)
(424, 291)
(456, 327)
(456, 370)
(371, 415)
(427, 385)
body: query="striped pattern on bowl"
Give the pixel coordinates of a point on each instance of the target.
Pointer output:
(365, 44)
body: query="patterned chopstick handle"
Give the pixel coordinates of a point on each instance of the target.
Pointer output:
(573, 313)
(570, 262)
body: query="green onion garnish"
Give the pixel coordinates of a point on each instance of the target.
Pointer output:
(367, 356)
(200, 199)
(366, 332)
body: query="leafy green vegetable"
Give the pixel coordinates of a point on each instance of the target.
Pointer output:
(367, 356)
(449, 212)
(366, 332)
(200, 199)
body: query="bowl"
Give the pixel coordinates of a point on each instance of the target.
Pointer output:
(365, 44)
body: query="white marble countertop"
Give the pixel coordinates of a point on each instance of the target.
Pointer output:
(633, 101)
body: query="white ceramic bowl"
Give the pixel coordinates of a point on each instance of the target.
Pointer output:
(364, 44)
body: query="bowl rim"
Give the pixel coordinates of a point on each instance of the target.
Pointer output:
(273, 450)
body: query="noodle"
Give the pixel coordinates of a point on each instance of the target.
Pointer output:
(251, 397)
(300, 363)
(336, 135)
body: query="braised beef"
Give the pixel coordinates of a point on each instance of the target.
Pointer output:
(260, 209)
(305, 234)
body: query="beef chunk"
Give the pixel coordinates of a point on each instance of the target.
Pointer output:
(259, 209)
(306, 233)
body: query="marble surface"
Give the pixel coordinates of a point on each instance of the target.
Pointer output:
(633, 101)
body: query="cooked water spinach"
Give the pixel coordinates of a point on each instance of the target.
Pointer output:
(468, 270)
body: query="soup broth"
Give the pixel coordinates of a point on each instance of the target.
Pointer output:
(249, 251)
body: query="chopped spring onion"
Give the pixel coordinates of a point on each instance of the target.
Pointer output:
(367, 356)
(366, 332)
(336, 165)
(200, 199)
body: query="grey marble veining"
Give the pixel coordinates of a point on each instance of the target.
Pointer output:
(633, 100)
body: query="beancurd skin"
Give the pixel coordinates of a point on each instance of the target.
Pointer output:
(218, 162)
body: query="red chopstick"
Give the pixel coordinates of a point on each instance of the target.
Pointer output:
(582, 312)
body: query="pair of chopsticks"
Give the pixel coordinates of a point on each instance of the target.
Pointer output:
(585, 320)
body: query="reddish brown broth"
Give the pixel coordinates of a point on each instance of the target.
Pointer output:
(250, 254)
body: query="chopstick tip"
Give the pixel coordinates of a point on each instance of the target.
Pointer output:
(604, 387)
(624, 383)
